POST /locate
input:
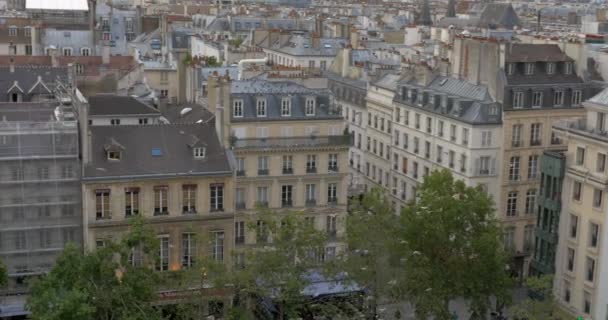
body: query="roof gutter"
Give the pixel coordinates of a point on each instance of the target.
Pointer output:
(160, 175)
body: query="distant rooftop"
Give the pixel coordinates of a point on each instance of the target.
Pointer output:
(75, 5)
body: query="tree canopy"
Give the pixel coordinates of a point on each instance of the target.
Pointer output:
(101, 284)
(451, 248)
(3, 275)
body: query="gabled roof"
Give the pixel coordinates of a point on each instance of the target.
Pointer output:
(29, 79)
(111, 104)
(155, 151)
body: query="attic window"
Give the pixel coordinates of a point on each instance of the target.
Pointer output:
(529, 68)
(261, 107)
(493, 110)
(113, 155)
(310, 106)
(78, 68)
(568, 68)
(199, 152)
(510, 68)
(550, 67)
(286, 107)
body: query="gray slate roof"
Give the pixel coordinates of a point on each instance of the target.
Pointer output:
(180, 113)
(250, 90)
(600, 98)
(528, 52)
(27, 76)
(110, 104)
(173, 142)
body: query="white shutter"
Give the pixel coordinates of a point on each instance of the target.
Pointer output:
(286, 132)
(240, 133)
(261, 132)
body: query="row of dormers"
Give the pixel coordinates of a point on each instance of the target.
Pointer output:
(261, 107)
(531, 68)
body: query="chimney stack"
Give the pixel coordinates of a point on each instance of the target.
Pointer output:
(12, 65)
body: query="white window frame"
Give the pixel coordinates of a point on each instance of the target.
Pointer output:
(286, 107)
(237, 108)
(85, 52)
(514, 168)
(518, 99)
(577, 97)
(558, 98)
(568, 67)
(537, 99)
(69, 50)
(12, 31)
(510, 68)
(188, 249)
(310, 106)
(550, 67)
(261, 108)
(529, 69)
(164, 253)
(199, 152)
(217, 245)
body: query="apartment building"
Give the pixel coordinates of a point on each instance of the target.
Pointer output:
(290, 149)
(440, 122)
(349, 94)
(580, 265)
(538, 88)
(177, 176)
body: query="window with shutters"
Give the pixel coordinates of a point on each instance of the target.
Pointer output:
(514, 169)
(162, 263)
(131, 201)
(512, 204)
(188, 249)
(216, 197)
(189, 198)
(102, 204)
(161, 194)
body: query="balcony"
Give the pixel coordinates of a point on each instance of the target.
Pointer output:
(287, 170)
(161, 211)
(333, 169)
(332, 201)
(262, 172)
(311, 169)
(240, 173)
(291, 143)
(241, 205)
(536, 142)
(332, 235)
(517, 143)
(239, 240)
(261, 204)
(286, 203)
(311, 202)
(188, 210)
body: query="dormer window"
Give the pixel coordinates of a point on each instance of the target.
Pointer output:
(113, 155)
(444, 102)
(85, 52)
(529, 68)
(432, 99)
(67, 52)
(510, 68)
(199, 152)
(261, 107)
(310, 106)
(409, 93)
(237, 108)
(78, 68)
(493, 110)
(568, 68)
(286, 107)
(550, 67)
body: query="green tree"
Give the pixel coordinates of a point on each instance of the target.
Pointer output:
(541, 304)
(102, 284)
(371, 228)
(287, 250)
(3, 275)
(452, 248)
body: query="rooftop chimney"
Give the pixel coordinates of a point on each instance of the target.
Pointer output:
(12, 65)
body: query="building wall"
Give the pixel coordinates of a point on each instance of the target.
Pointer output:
(124, 121)
(174, 224)
(280, 58)
(517, 224)
(156, 81)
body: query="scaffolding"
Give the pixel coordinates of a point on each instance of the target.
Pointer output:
(40, 209)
